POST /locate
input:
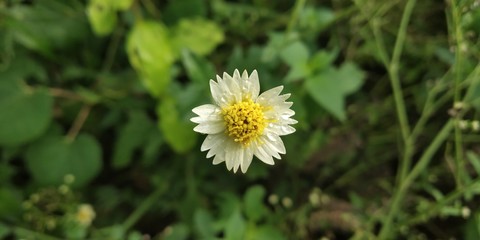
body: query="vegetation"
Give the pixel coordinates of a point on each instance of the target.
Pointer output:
(96, 141)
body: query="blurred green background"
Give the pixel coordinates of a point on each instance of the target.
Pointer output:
(96, 97)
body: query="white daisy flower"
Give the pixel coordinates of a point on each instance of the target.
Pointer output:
(243, 123)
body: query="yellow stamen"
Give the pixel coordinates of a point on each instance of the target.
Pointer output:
(244, 121)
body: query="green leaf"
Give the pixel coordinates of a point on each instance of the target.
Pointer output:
(253, 200)
(102, 16)
(151, 54)
(199, 35)
(4, 231)
(178, 232)
(204, 224)
(314, 20)
(48, 25)
(25, 114)
(131, 137)
(474, 159)
(10, 208)
(472, 228)
(198, 69)
(350, 77)
(327, 92)
(265, 232)
(53, 157)
(135, 236)
(178, 10)
(178, 133)
(88, 95)
(295, 53)
(330, 87)
(22, 67)
(297, 72)
(235, 229)
(121, 4)
(322, 60)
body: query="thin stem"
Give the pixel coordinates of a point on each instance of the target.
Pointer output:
(150, 6)
(299, 5)
(394, 67)
(379, 41)
(112, 49)
(430, 107)
(447, 200)
(405, 185)
(62, 93)
(457, 95)
(78, 124)
(29, 234)
(143, 208)
(393, 71)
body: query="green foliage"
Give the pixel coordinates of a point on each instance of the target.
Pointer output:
(132, 137)
(177, 131)
(198, 35)
(151, 53)
(26, 113)
(38, 27)
(253, 201)
(96, 98)
(50, 159)
(102, 17)
(331, 86)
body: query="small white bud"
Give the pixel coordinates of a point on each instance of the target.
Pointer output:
(466, 212)
(287, 202)
(273, 199)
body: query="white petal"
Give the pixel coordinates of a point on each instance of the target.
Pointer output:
(217, 93)
(236, 76)
(247, 159)
(266, 97)
(263, 155)
(275, 143)
(208, 118)
(218, 149)
(280, 129)
(253, 85)
(210, 127)
(232, 84)
(227, 94)
(245, 74)
(271, 150)
(238, 158)
(284, 96)
(230, 156)
(211, 141)
(219, 158)
(206, 110)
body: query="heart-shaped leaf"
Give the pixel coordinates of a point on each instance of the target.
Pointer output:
(25, 114)
(53, 157)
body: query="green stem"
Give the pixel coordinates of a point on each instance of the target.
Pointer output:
(150, 6)
(447, 200)
(143, 208)
(379, 42)
(112, 49)
(457, 95)
(394, 67)
(398, 198)
(23, 233)
(393, 70)
(299, 5)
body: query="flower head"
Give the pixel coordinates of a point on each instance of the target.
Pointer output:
(85, 214)
(243, 123)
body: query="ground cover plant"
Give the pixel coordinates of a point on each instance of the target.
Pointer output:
(96, 140)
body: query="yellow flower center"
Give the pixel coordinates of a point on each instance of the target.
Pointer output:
(244, 121)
